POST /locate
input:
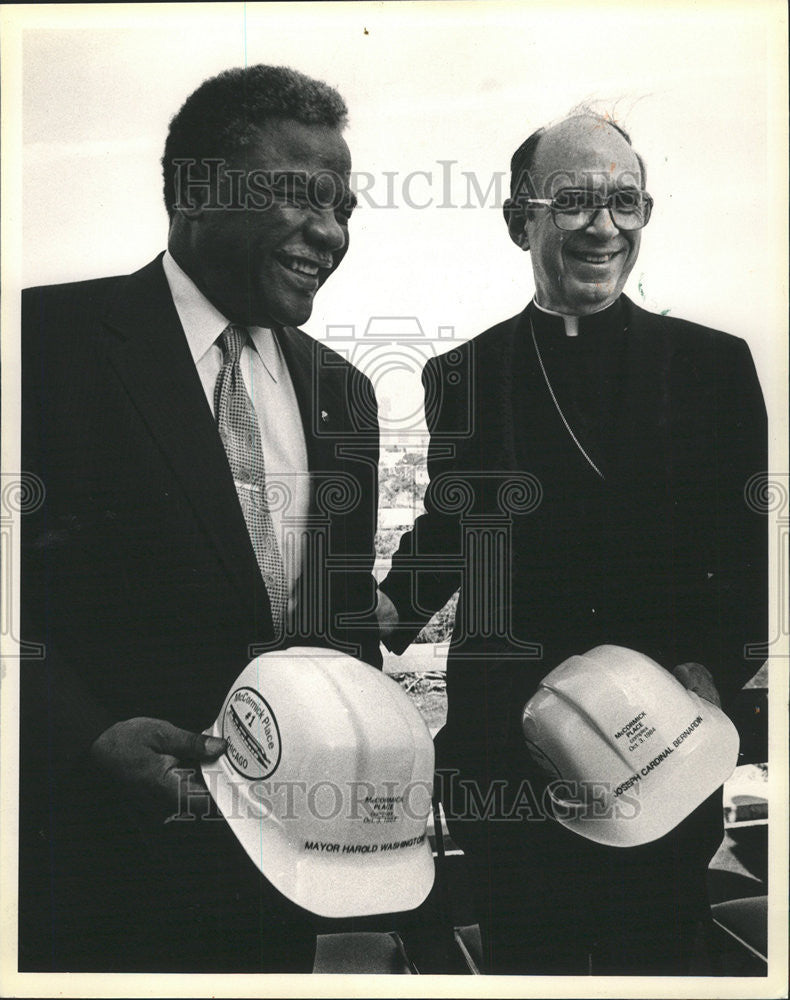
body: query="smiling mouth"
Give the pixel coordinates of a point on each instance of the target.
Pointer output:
(593, 258)
(305, 266)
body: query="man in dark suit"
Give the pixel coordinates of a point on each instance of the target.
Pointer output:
(589, 467)
(211, 487)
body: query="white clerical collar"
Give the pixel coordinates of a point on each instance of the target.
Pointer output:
(203, 323)
(571, 322)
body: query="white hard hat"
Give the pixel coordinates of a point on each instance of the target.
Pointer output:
(326, 782)
(630, 751)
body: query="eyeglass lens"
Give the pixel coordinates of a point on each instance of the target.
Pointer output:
(575, 209)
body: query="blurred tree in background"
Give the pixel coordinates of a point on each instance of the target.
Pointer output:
(401, 488)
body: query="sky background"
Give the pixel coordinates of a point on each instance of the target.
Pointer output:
(699, 88)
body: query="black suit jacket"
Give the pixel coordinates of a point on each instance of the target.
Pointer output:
(666, 554)
(138, 574)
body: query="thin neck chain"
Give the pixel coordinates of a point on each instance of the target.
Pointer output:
(568, 427)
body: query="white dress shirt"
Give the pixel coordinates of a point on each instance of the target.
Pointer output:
(269, 385)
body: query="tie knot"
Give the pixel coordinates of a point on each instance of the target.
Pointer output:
(233, 339)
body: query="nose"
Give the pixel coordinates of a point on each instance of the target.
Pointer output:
(324, 231)
(602, 224)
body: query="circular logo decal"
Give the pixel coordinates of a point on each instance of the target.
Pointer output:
(251, 730)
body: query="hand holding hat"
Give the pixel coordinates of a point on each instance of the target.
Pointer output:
(694, 677)
(144, 756)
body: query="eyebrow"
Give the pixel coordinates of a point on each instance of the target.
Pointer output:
(591, 187)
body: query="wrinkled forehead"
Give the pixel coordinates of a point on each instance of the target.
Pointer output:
(284, 145)
(585, 153)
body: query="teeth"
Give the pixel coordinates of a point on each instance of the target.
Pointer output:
(302, 267)
(596, 258)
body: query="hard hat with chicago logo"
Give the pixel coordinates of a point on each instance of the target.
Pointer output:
(327, 781)
(628, 750)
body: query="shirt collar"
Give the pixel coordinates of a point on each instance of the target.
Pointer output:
(203, 323)
(603, 319)
(571, 322)
(552, 312)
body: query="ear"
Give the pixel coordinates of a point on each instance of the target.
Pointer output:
(188, 205)
(195, 190)
(516, 219)
(179, 231)
(190, 212)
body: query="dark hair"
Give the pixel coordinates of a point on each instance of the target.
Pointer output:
(222, 116)
(523, 160)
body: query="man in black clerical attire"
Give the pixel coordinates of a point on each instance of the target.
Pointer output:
(588, 463)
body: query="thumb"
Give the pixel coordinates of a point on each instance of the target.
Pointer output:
(185, 745)
(213, 746)
(697, 678)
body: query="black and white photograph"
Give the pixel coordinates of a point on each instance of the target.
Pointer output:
(395, 499)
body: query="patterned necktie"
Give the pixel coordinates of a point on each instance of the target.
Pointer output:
(241, 436)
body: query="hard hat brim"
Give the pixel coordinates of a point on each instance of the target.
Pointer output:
(327, 884)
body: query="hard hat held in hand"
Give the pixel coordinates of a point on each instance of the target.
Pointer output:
(630, 752)
(327, 782)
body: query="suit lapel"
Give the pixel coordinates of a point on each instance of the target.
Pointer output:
(641, 428)
(320, 409)
(151, 357)
(513, 368)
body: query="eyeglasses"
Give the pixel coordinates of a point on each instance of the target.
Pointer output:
(575, 208)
